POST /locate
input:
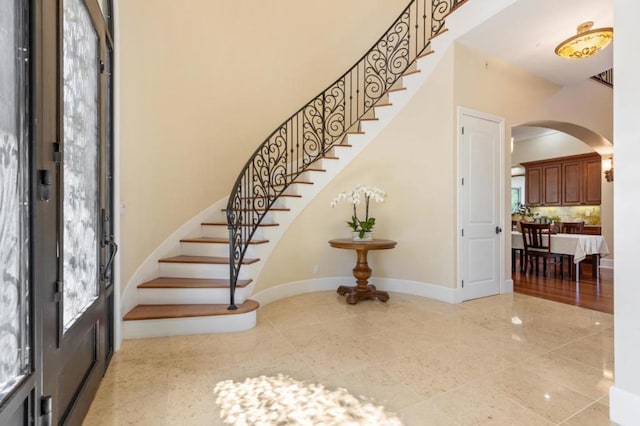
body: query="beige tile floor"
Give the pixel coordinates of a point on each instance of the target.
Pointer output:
(503, 360)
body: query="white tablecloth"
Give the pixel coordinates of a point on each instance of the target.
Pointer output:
(576, 245)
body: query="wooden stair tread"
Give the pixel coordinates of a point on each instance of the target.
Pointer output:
(427, 53)
(383, 104)
(211, 240)
(301, 182)
(274, 209)
(442, 31)
(312, 169)
(169, 282)
(207, 260)
(373, 118)
(266, 197)
(355, 132)
(147, 312)
(407, 73)
(397, 89)
(242, 224)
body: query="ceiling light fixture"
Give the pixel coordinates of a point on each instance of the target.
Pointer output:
(586, 43)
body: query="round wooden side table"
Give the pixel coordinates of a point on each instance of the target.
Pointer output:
(362, 272)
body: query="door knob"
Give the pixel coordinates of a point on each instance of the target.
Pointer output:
(498, 230)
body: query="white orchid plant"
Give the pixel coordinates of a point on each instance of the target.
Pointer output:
(355, 197)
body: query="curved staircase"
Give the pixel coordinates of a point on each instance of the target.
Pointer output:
(199, 290)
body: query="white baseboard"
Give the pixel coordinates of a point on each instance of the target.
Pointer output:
(415, 288)
(624, 406)
(295, 288)
(187, 326)
(606, 263)
(507, 286)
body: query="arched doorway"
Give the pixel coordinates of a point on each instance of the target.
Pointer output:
(539, 141)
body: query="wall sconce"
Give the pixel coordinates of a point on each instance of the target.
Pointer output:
(607, 166)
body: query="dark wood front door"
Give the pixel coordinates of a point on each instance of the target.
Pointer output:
(56, 209)
(76, 330)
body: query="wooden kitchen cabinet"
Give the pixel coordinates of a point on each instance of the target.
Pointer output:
(533, 186)
(564, 181)
(572, 183)
(552, 184)
(592, 230)
(592, 181)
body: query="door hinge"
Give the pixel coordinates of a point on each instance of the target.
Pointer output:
(462, 283)
(101, 67)
(463, 130)
(462, 233)
(57, 155)
(46, 410)
(58, 293)
(462, 181)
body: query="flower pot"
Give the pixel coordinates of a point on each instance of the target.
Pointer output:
(355, 236)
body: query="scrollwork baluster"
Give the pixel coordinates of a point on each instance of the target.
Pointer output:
(313, 130)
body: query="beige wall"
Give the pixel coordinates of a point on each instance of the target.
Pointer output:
(490, 85)
(203, 82)
(414, 159)
(190, 79)
(552, 145)
(410, 159)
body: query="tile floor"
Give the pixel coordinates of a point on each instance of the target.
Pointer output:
(503, 360)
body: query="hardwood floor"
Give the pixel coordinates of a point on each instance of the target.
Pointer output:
(588, 294)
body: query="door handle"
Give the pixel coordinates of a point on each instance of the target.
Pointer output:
(106, 270)
(498, 230)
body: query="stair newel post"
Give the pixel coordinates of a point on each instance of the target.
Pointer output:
(232, 249)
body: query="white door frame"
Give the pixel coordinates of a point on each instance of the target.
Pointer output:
(504, 287)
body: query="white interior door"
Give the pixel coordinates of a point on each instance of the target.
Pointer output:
(480, 200)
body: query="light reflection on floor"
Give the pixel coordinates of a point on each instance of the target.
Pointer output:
(282, 400)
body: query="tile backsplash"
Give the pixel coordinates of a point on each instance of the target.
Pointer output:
(589, 214)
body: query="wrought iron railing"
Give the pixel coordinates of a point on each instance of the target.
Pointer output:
(605, 77)
(315, 128)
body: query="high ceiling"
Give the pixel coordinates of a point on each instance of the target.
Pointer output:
(526, 33)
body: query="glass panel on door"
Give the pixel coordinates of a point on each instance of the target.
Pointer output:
(14, 200)
(81, 161)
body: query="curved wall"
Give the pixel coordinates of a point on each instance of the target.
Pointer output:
(203, 82)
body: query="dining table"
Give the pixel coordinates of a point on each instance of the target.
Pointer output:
(576, 245)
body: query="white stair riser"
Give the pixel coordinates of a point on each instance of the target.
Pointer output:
(368, 125)
(198, 270)
(280, 203)
(180, 296)
(262, 233)
(211, 231)
(211, 249)
(185, 326)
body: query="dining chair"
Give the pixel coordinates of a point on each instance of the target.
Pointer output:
(537, 245)
(516, 252)
(571, 228)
